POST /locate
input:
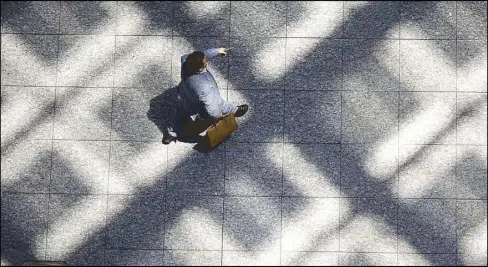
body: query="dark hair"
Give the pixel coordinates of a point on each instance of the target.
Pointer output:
(194, 61)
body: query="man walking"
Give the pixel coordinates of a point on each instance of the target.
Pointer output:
(199, 95)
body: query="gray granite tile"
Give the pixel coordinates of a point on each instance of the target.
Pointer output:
(310, 224)
(203, 27)
(426, 65)
(30, 17)
(315, 174)
(78, 17)
(24, 222)
(371, 20)
(23, 102)
(218, 67)
(427, 225)
(427, 118)
(257, 63)
(471, 65)
(209, 18)
(264, 119)
(86, 60)
(314, 19)
(196, 184)
(184, 160)
(202, 10)
(85, 256)
(250, 258)
(142, 61)
(83, 113)
(191, 258)
(194, 223)
(471, 177)
(478, 258)
(252, 223)
(367, 176)
(471, 19)
(368, 117)
(76, 218)
(145, 17)
(426, 259)
(270, 48)
(249, 170)
(130, 114)
(256, 73)
(250, 18)
(140, 225)
(428, 174)
(304, 116)
(80, 167)
(471, 226)
(134, 258)
(371, 65)
(313, 64)
(29, 59)
(472, 118)
(136, 165)
(18, 257)
(363, 234)
(310, 258)
(434, 19)
(27, 169)
(367, 259)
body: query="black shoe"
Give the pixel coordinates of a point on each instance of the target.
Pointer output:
(167, 138)
(241, 110)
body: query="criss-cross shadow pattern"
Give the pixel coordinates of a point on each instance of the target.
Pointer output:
(365, 143)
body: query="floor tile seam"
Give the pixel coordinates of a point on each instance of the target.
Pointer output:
(8, 192)
(398, 137)
(341, 126)
(52, 137)
(225, 145)
(283, 124)
(456, 141)
(106, 235)
(166, 174)
(245, 36)
(243, 89)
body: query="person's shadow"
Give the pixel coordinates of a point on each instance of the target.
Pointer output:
(162, 109)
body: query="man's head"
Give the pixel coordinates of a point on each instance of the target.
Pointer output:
(196, 61)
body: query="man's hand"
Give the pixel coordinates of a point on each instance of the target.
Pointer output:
(222, 52)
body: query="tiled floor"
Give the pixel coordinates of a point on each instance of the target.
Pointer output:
(365, 143)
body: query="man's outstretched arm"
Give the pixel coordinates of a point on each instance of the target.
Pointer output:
(211, 54)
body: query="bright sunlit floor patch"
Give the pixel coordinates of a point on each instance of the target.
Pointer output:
(321, 20)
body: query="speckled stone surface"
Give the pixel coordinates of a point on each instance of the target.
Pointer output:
(37, 71)
(309, 258)
(424, 71)
(435, 25)
(252, 175)
(441, 239)
(31, 21)
(140, 227)
(368, 117)
(371, 20)
(365, 142)
(192, 258)
(87, 60)
(90, 155)
(471, 19)
(440, 105)
(367, 259)
(151, 54)
(320, 124)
